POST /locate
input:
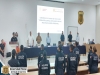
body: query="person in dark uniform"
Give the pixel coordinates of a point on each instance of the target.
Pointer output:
(2, 47)
(93, 64)
(44, 66)
(60, 62)
(62, 38)
(40, 57)
(90, 54)
(13, 62)
(72, 62)
(22, 57)
(70, 38)
(77, 51)
(14, 38)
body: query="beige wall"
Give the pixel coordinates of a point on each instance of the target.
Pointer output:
(98, 24)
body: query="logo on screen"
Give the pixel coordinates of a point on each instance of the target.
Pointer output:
(57, 10)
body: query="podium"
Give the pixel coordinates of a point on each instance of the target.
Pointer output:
(13, 45)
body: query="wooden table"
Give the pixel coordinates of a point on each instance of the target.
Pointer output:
(35, 68)
(94, 74)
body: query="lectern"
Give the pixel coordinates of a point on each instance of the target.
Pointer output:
(13, 45)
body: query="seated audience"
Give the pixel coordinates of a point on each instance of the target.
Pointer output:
(13, 62)
(38, 39)
(14, 38)
(2, 48)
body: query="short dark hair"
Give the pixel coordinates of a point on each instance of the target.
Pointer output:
(94, 48)
(59, 42)
(42, 45)
(13, 52)
(76, 43)
(72, 47)
(90, 47)
(21, 47)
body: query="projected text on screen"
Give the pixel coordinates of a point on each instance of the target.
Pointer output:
(50, 19)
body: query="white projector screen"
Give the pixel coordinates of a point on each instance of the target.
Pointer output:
(50, 19)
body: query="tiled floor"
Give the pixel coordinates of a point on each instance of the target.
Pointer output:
(33, 62)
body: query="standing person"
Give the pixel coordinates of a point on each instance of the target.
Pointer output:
(62, 38)
(22, 57)
(48, 40)
(93, 64)
(30, 41)
(14, 38)
(40, 57)
(70, 38)
(2, 48)
(60, 62)
(72, 62)
(44, 66)
(38, 39)
(77, 38)
(13, 62)
(77, 51)
(90, 54)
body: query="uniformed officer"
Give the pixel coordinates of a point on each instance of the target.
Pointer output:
(44, 66)
(13, 62)
(93, 64)
(60, 62)
(77, 51)
(14, 38)
(2, 47)
(22, 57)
(40, 57)
(90, 54)
(72, 62)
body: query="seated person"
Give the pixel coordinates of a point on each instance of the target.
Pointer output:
(2, 47)
(92, 42)
(14, 38)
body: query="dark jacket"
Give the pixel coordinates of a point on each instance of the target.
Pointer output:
(22, 58)
(89, 55)
(70, 38)
(62, 38)
(40, 57)
(13, 62)
(14, 39)
(44, 67)
(93, 64)
(77, 52)
(60, 62)
(72, 63)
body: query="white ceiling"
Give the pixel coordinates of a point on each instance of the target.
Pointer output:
(91, 2)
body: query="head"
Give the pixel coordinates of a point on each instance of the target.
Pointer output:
(93, 40)
(71, 48)
(70, 32)
(76, 44)
(88, 39)
(59, 48)
(13, 53)
(16, 34)
(21, 47)
(38, 34)
(48, 34)
(59, 43)
(30, 33)
(77, 33)
(42, 47)
(62, 33)
(2, 41)
(13, 34)
(90, 47)
(94, 49)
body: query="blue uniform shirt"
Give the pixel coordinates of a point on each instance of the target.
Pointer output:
(62, 38)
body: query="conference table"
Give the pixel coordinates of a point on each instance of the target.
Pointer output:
(94, 74)
(34, 51)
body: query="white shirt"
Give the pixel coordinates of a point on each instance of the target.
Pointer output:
(77, 38)
(30, 39)
(48, 40)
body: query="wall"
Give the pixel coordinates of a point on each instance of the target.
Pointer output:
(21, 16)
(98, 23)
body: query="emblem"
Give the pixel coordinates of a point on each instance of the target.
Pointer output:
(80, 17)
(5, 70)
